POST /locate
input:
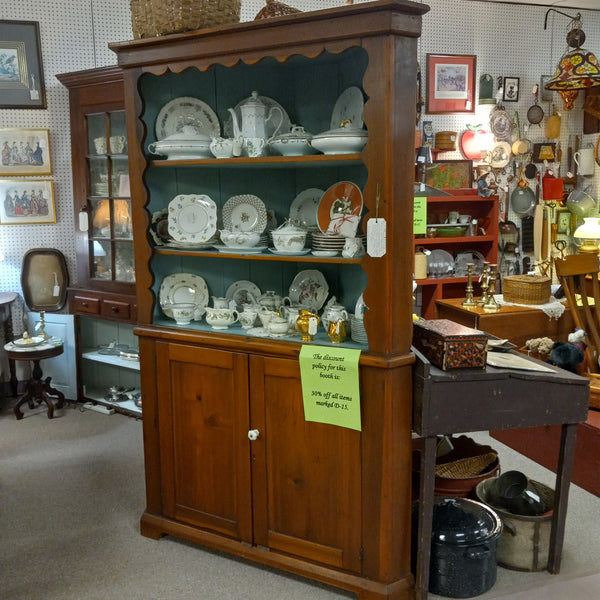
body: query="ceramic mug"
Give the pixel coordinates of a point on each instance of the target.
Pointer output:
(118, 144)
(255, 146)
(100, 145)
(464, 219)
(585, 161)
(453, 216)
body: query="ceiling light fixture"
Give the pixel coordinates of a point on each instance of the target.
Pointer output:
(578, 68)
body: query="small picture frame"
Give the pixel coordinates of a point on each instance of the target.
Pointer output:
(564, 221)
(449, 174)
(22, 77)
(25, 152)
(27, 202)
(510, 88)
(450, 83)
(543, 151)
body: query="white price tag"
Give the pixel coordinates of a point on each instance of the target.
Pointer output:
(83, 221)
(376, 237)
(34, 95)
(313, 324)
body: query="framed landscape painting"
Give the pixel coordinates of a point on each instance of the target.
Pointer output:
(25, 152)
(26, 202)
(21, 71)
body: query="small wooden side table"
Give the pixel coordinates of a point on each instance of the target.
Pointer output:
(37, 389)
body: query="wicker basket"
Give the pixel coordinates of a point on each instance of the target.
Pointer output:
(275, 9)
(463, 468)
(526, 289)
(446, 140)
(150, 18)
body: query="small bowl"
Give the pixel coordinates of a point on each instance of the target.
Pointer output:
(343, 140)
(183, 312)
(239, 239)
(289, 241)
(295, 143)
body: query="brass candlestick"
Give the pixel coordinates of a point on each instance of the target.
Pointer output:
(491, 305)
(43, 333)
(485, 283)
(469, 300)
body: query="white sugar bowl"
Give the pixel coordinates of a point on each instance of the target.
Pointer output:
(289, 238)
(294, 143)
(239, 239)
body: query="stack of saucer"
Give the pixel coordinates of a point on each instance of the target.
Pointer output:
(357, 329)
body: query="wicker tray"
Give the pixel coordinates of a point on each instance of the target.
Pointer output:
(526, 289)
(150, 18)
(467, 467)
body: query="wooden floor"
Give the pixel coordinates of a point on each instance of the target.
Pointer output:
(541, 445)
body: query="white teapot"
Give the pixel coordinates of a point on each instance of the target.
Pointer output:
(333, 312)
(255, 116)
(270, 300)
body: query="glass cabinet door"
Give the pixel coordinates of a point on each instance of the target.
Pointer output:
(109, 203)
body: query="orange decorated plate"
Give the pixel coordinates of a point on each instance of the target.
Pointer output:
(342, 198)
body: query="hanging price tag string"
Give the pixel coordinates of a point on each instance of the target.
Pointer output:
(376, 231)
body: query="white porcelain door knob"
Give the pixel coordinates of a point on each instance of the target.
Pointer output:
(253, 434)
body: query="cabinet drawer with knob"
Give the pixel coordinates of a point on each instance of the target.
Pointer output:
(110, 306)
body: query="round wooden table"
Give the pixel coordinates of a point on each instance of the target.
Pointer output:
(37, 389)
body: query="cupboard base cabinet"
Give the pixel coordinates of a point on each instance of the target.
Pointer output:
(231, 462)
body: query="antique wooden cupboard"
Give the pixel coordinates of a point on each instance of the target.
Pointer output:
(329, 503)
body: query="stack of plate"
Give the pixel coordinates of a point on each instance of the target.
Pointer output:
(357, 331)
(327, 242)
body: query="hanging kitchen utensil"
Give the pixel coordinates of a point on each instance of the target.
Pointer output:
(527, 231)
(535, 114)
(553, 124)
(521, 145)
(522, 199)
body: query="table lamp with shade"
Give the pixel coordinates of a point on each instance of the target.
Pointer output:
(587, 235)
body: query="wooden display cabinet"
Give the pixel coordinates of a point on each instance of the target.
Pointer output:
(464, 201)
(103, 299)
(231, 462)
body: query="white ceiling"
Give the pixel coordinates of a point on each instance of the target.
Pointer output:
(560, 4)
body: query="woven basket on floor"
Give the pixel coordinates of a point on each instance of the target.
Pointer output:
(150, 18)
(464, 468)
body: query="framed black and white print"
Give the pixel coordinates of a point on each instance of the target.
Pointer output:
(511, 89)
(21, 70)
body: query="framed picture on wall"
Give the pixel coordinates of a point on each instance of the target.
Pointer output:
(449, 174)
(565, 221)
(26, 202)
(450, 83)
(21, 70)
(510, 89)
(25, 152)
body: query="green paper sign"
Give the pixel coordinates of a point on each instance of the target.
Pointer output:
(420, 215)
(330, 388)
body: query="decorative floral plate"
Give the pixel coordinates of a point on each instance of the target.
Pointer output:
(182, 287)
(303, 209)
(309, 289)
(177, 113)
(245, 212)
(348, 107)
(192, 218)
(243, 292)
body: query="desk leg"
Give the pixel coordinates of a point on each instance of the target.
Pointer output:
(563, 480)
(14, 382)
(426, 494)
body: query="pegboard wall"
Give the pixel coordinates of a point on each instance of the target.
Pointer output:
(508, 40)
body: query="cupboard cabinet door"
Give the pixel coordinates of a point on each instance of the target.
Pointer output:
(203, 422)
(306, 475)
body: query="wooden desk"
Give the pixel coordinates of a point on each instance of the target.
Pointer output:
(463, 400)
(514, 323)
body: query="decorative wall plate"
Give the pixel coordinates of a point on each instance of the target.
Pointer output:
(182, 287)
(177, 113)
(245, 212)
(243, 292)
(309, 289)
(303, 209)
(348, 107)
(192, 218)
(344, 198)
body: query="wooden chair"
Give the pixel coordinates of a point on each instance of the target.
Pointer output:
(578, 275)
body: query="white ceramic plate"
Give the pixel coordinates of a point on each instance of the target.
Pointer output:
(245, 212)
(192, 218)
(31, 342)
(253, 250)
(289, 252)
(309, 289)
(325, 253)
(303, 209)
(186, 111)
(243, 292)
(182, 287)
(272, 123)
(348, 107)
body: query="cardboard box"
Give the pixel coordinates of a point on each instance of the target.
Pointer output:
(449, 345)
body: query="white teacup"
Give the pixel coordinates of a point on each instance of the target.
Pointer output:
(183, 312)
(247, 318)
(221, 318)
(265, 315)
(464, 219)
(118, 143)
